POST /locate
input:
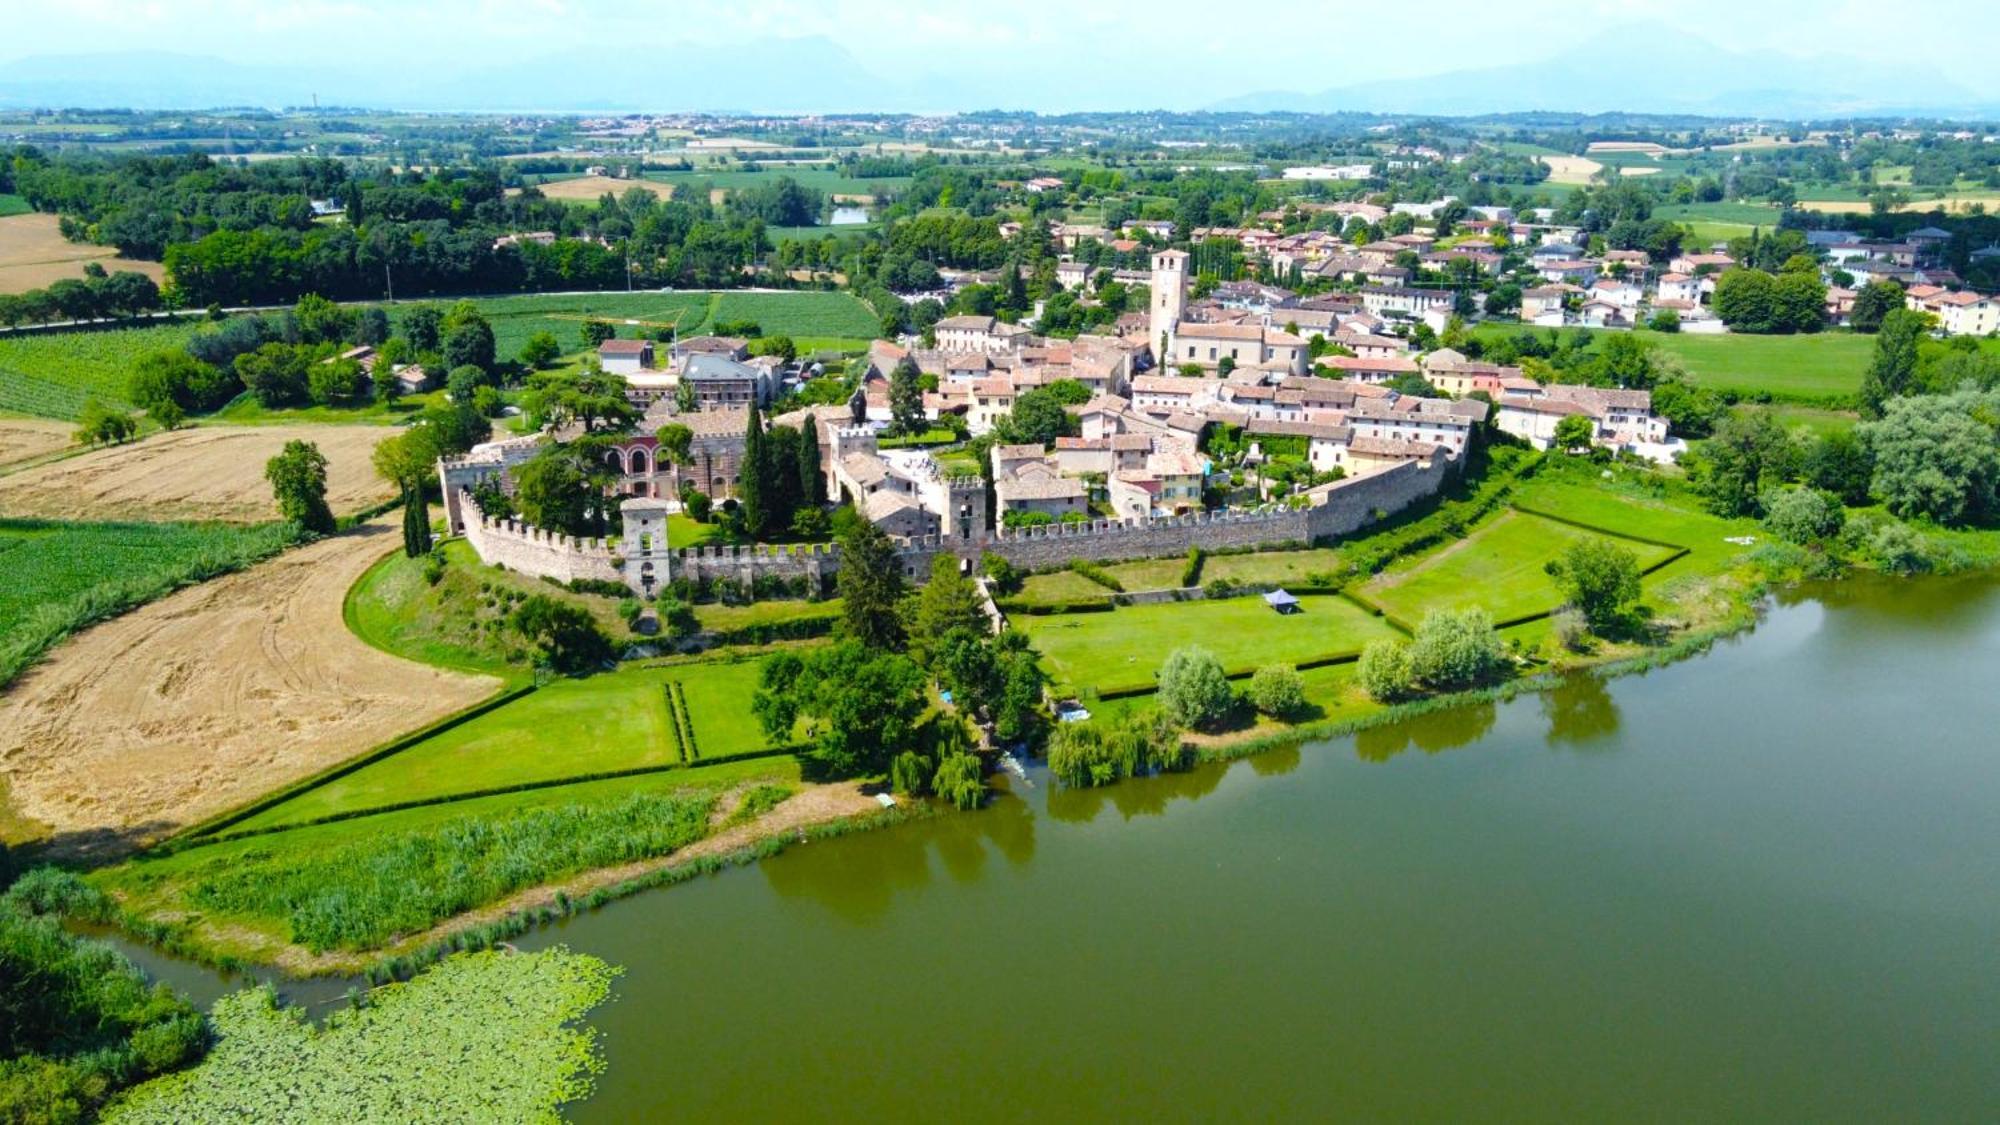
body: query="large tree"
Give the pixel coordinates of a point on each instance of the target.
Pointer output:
(906, 397)
(861, 703)
(1894, 364)
(1599, 578)
(1194, 690)
(1936, 456)
(407, 461)
(812, 483)
(563, 488)
(298, 482)
(1872, 303)
(753, 497)
(871, 586)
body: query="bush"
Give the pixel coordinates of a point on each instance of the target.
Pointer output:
(1384, 671)
(1455, 650)
(1599, 578)
(1082, 755)
(960, 780)
(569, 639)
(1898, 549)
(1191, 573)
(1570, 629)
(1007, 578)
(1194, 690)
(1803, 515)
(1098, 575)
(1277, 690)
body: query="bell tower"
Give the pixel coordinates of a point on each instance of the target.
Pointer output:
(1169, 299)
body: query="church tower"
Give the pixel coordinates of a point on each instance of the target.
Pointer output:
(1169, 299)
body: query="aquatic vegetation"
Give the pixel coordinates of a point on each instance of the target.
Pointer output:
(481, 1037)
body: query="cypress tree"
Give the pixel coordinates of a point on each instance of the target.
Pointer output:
(416, 522)
(812, 488)
(751, 498)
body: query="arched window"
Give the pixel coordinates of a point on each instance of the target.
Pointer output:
(612, 459)
(639, 467)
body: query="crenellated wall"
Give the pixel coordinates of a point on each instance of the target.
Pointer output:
(544, 554)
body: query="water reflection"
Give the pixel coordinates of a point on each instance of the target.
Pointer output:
(1581, 713)
(1139, 796)
(1278, 761)
(1438, 731)
(873, 869)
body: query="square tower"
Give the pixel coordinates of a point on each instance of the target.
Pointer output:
(1169, 299)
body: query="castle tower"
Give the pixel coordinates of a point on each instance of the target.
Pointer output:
(1169, 299)
(644, 544)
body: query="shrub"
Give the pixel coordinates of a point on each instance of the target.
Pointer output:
(1384, 671)
(910, 773)
(1598, 577)
(1803, 515)
(1277, 690)
(1098, 575)
(1191, 573)
(1898, 549)
(1007, 578)
(1570, 629)
(1194, 690)
(1455, 650)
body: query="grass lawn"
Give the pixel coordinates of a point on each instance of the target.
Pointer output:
(685, 532)
(611, 721)
(1816, 367)
(719, 618)
(1623, 507)
(1499, 568)
(718, 697)
(461, 621)
(1296, 566)
(13, 205)
(244, 409)
(1816, 419)
(1122, 649)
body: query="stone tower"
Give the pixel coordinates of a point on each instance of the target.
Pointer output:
(644, 545)
(1169, 298)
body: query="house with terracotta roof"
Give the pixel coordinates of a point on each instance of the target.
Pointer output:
(1958, 313)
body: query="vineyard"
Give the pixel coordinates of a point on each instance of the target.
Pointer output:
(62, 576)
(51, 373)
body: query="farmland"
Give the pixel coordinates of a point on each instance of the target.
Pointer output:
(62, 575)
(822, 318)
(590, 188)
(200, 473)
(208, 697)
(34, 253)
(13, 205)
(826, 181)
(51, 373)
(1816, 367)
(1120, 650)
(24, 439)
(1498, 568)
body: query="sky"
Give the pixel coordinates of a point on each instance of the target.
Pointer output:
(1338, 40)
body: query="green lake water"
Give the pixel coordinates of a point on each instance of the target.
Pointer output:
(1763, 884)
(1759, 885)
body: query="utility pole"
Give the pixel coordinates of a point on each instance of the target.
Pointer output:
(389, 283)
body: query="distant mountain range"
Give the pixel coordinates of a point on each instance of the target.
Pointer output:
(1639, 68)
(1651, 68)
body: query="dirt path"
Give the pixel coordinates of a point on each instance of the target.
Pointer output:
(24, 438)
(205, 699)
(202, 473)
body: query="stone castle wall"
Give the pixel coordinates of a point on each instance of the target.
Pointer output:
(1341, 509)
(544, 554)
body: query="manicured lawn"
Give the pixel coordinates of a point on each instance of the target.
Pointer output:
(1625, 509)
(1499, 568)
(718, 696)
(1807, 368)
(1816, 419)
(684, 532)
(1281, 567)
(720, 618)
(1122, 649)
(611, 721)
(246, 410)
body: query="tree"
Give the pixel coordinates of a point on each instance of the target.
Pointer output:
(1802, 515)
(1455, 650)
(1840, 464)
(562, 488)
(468, 339)
(408, 461)
(371, 327)
(540, 350)
(1745, 299)
(676, 444)
(871, 586)
(567, 635)
(1894, 364)
(753, 497)
(949, 603)
(1194, 690)
(1749, 454)
(1277, 690)
(1936, 456)
(321, 321)
(812, 485)
(275, 373)
(298, 483)
(588, 395)
(422, 327)
(595, 332)
(1038, 418)
(98, 424)
(860, 701)
(906, 397)
(1599, 578)
(1574, 432)
(335, 382)
(1384, 671)
(1872, 303)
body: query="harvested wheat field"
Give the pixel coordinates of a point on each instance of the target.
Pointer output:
(591, 188)
(34, 253)
(203, 473)
(1571, 169)
(207, 699)
(22, 439)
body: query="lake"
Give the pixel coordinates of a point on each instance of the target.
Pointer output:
(1759, 884)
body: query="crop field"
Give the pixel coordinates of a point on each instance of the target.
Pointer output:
(13, 205)
(51, 373)
(1498, 568)
(199, 473)
(1818, 367)
(1740, 214)
(24, 439)
(208, 697)
(805, 315)
(826, 181)
(589, 189)
(1122, 649)
(34, 253)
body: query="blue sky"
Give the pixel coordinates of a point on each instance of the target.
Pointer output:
(1221, 48)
